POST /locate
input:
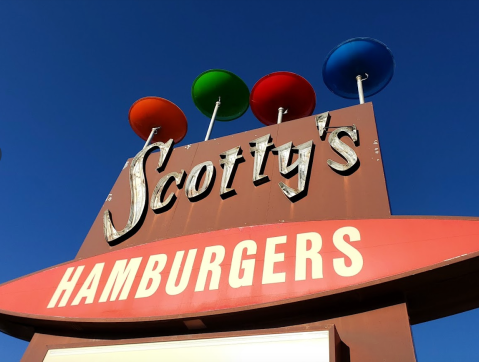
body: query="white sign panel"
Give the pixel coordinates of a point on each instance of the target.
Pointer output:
(305, 346)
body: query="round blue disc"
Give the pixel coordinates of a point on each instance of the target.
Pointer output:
(358, 56)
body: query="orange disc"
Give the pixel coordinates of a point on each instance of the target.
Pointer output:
(150, 112)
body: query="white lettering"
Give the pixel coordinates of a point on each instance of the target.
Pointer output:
(210, 266)
(89, 287)
(270, 258)
(122, 276)
(171, 288)
(247, 265)
(66, 286)
(355, 256)
(153, 274)
(302, 255)
(307, 258)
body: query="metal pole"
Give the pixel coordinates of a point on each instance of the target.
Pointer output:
(359, 80)
(218, 104)
(280, 114)
(154, 131)
(281, 111)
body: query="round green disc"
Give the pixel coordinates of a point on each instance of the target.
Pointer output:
(214, 83)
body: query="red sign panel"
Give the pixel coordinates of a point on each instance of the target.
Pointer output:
(237, 268)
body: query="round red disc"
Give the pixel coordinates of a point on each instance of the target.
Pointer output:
(282, 89)
(150, 112)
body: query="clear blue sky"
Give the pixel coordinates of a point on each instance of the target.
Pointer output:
(70, 70)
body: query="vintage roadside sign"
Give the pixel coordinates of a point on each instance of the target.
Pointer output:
(276, 227)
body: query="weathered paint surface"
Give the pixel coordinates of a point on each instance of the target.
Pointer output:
(239, 268)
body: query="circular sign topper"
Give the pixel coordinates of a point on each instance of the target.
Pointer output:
(358, 56)
(150, 112)
(282, 89)
(213, 84)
